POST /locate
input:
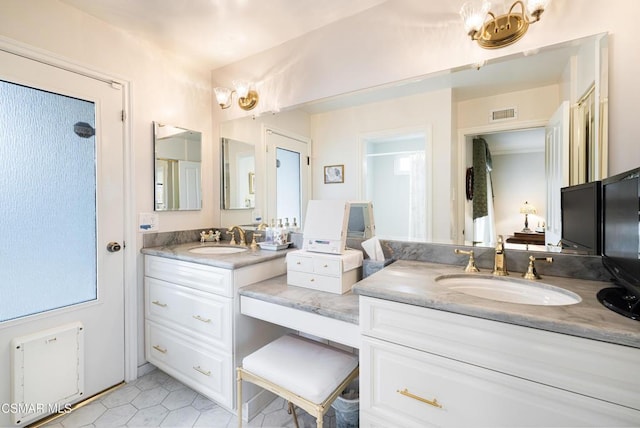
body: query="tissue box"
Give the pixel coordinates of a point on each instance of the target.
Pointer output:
(333, 273)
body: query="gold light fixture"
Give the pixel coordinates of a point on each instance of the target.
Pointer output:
(491, 31)
(527, 209)
(247, 97)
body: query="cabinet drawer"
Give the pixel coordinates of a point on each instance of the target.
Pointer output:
(327, 266)
(202, 368)
(330, 284)
(415, 388)
(188, 274)
(554, 359)
(299, 263)
(193, 311)
(319, 265)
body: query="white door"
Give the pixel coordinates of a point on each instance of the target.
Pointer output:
(287, 177)
(61, 193)
(190, 197)
(557, 169)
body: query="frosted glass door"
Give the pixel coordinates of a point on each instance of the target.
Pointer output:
(62, 194)
(48, 200)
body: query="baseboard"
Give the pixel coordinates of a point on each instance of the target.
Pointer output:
(145, 368)
(256, 404)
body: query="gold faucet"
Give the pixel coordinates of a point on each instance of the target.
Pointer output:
(500, 266)
(531, 272)
(471, 266)
(241, 232)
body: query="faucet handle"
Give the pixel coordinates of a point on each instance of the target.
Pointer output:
(254, 244)
(531, 272)
(471, 266)
(233, 237)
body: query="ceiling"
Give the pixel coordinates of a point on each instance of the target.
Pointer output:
(220, 32)
(216, 33)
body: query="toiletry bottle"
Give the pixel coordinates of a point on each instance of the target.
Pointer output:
(269, 232)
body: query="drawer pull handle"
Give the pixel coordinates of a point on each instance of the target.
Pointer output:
(298, 263)
(204, 372)
(325, 266)
(199, 318)
(312, 279)
(162, 305)
(159, 349)
(433, 402)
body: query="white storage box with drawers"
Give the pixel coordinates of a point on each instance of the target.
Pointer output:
(333, 273)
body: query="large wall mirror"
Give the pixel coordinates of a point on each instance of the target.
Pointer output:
(238, 174)
(455, 106)
(177, 168)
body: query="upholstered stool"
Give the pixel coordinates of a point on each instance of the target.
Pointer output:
(306, 373)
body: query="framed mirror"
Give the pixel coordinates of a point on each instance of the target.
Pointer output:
(177, 168)
(238, 183)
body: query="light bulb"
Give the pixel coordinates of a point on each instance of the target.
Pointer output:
(473, 14)
(223, 96)
(242, 87)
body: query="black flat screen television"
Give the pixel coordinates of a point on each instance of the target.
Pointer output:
(581, 217)
(621, 242)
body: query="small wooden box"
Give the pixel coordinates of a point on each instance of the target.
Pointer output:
(333, 273)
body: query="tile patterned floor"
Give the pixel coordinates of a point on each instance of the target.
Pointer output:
(158, 400)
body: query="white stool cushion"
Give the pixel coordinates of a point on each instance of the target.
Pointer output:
(305, 367)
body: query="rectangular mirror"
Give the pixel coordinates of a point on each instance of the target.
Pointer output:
(177, 168)
(238, 175)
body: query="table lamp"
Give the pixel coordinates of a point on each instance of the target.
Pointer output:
(527, 209)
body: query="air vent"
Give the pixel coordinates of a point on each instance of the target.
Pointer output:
(503, 114)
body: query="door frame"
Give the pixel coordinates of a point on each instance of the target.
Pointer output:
(129, 233)
(425, 130)
(268, 203)
(459, 182)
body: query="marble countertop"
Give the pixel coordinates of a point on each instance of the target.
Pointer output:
(225, 261)
(413, 282)
(342, 307)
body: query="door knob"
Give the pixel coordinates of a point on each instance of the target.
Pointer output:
(113, 247)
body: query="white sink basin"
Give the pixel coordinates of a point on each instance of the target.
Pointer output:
(512, 290)
(217, 250)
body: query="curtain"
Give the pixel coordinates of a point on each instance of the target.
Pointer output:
(484, 232)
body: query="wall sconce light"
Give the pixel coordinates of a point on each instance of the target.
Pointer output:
(491, 31)
(247, 97)
(527, 209)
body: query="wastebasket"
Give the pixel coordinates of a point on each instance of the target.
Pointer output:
(347, 406)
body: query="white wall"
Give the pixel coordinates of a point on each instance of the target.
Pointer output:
(162, 89)
(391, 42)
(337, 138)
(517, 178)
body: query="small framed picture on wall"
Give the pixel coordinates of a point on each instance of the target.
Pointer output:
(334, 174)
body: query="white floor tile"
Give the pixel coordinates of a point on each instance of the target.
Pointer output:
(158, 400)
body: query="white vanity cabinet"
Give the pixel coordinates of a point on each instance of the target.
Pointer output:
(193, 327)
(421, 367)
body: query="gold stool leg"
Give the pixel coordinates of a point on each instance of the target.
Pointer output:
(239, 398)
(292, 411)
